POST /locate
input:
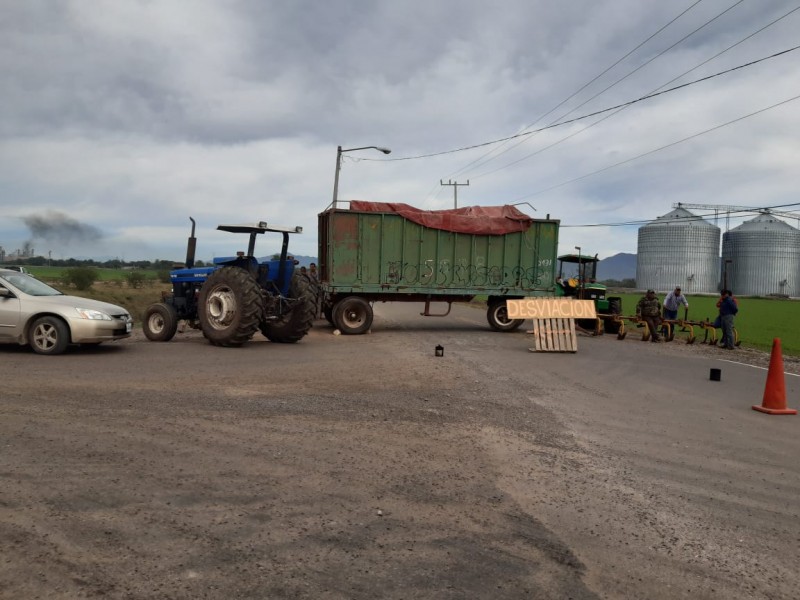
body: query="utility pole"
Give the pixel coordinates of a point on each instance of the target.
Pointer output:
(455, 185)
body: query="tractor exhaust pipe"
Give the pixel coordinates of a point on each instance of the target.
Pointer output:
(190, 248)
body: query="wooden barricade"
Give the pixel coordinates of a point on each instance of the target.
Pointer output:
(553, 320)
(554, 335)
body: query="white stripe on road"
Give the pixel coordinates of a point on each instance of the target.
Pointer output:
(755, 367)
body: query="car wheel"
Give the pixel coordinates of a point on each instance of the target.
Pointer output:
(49, 335)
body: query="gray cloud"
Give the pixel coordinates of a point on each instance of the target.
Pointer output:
(138, 114)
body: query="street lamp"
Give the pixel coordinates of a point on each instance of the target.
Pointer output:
(725, 274)
(339, 152)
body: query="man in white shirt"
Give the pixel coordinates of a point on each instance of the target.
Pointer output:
(671, 303)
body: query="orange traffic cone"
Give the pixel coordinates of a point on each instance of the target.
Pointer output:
(774, 402)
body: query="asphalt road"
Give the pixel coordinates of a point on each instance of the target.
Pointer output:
(367, 467)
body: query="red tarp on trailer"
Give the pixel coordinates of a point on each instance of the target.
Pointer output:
(479, 220)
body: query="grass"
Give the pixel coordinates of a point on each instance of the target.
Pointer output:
(55, 274)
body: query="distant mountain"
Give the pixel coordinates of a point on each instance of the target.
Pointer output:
(620, 266)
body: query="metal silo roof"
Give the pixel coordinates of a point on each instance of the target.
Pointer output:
(680, 217)
(765, 222)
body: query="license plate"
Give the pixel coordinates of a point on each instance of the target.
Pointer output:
(128, 327)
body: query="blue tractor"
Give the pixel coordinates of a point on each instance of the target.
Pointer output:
(237, 296)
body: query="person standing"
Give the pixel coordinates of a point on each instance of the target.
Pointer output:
(673, 301)
(727, 311)
(649, 310)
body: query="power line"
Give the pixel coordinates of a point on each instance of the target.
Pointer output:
(658, 149)
(621, 79)
(586, 116)
(583, 87)
(540, 150)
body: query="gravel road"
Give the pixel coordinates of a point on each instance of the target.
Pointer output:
(366, 467)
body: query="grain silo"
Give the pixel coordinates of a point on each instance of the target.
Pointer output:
(678, 248)
(761, 257)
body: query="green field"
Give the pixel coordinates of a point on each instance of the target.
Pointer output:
(56, 273)
(758, 322)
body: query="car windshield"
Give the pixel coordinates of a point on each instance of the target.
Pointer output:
(29, 285)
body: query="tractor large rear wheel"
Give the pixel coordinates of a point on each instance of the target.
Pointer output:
(229, 307)
(614, 308)
(294, 325)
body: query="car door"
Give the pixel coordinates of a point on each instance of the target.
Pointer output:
(9, 314)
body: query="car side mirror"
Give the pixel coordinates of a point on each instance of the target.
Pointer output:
(5, 293)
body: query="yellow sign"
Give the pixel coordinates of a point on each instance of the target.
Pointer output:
(550, 308)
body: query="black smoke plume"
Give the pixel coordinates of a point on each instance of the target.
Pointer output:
(54, 226)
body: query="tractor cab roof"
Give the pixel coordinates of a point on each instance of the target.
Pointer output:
(576, 258)
(260, 227)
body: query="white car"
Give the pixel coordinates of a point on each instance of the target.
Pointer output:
(15, 268)
(32, 312)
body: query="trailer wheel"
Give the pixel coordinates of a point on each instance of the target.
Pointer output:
(497, 315)
(327, 311)
(294, 325)
(229, 307)
(352, 315)
(49, 335)
(160, 322)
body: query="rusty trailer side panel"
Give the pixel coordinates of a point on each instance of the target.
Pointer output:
(386, 256)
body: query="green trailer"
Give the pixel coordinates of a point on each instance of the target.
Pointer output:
(380, 252)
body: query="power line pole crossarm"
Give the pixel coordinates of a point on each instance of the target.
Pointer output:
(455, 185)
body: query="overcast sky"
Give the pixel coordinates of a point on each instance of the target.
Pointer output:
(120, 119)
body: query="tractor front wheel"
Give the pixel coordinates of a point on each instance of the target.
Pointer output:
(160, 322)
(229, 307)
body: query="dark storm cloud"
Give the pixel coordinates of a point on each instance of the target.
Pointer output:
(54, 226)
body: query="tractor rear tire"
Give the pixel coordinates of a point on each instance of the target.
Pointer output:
(497, 316)
(160, 322)
(352, 315)
(294, 325)
(614, 308)
(229, 307)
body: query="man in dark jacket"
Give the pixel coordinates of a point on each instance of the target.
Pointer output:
(727, 310)
(649, 310)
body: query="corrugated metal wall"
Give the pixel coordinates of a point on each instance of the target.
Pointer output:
(764, 256)
(386, 253)
(678, 248)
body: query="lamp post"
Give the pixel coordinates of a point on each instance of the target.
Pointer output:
(725, 274)
(339, 152)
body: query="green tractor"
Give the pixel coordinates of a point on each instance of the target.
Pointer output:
(577, 277)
